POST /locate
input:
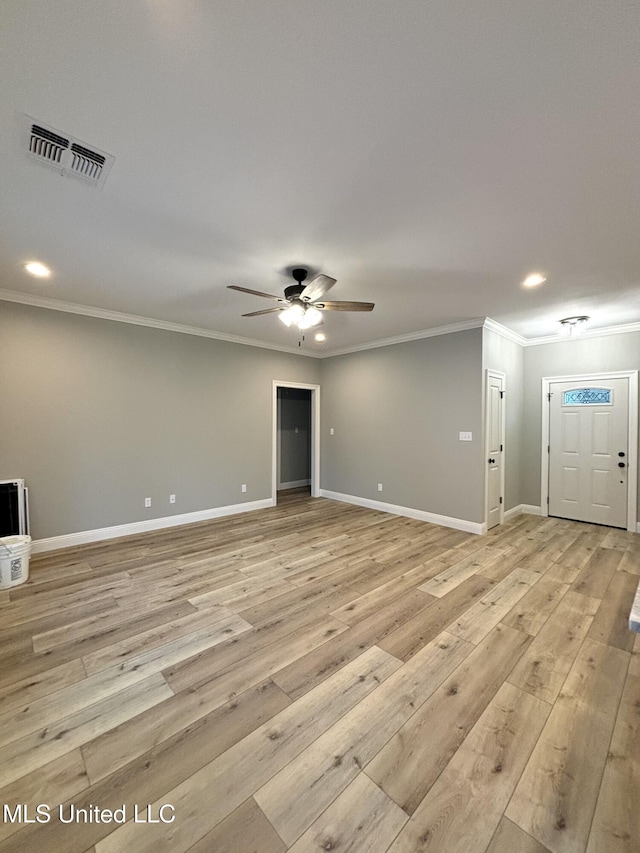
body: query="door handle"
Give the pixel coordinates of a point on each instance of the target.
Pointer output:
(621, 453)
(621, 465)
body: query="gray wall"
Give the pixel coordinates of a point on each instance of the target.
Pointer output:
(504, 355)
(397, 412)
(295, 435)
(583, 355)
(98, 415)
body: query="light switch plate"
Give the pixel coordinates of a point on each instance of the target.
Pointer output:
(466, 436)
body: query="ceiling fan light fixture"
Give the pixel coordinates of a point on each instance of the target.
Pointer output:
(302, 316)
(311, 317)
(571, 327)
(292, 315)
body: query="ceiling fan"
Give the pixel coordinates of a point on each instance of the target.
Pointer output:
(302, 304)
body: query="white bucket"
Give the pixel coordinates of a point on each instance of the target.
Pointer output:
(14, 560)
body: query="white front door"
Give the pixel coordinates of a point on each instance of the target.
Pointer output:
(494, 448)
(588, 451)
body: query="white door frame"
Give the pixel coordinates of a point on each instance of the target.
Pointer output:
(315, 436)
(632, 457)
(494, 374)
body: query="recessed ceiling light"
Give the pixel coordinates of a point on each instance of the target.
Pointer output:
(37, 269)
(320, 336)
(534, 279)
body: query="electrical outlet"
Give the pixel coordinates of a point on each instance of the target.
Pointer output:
(172, 499)
(244, 487)
(147, 502)
(332, 431)
(379, 487)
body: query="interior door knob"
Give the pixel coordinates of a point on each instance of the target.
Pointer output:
(621, 453)
(621, 465)
(492, 461)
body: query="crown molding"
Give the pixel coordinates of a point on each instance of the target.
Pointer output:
(135, 320)
(624, 329)
(499, 329)
(504, 331)
(411, 336)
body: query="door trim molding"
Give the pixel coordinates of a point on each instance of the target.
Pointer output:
(632, 465)
(494, 374)
(315, 435)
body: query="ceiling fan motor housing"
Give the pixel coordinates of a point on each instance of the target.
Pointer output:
(293, 291)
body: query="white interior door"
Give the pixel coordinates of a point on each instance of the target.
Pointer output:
(495, 448)
(589, 451)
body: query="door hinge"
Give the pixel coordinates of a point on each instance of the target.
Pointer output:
(500, 500)
(548, 448)
(500, 448)
(501, 394)
(547, 500)
(549, 395)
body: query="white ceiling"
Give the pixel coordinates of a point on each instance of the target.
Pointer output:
(427, 154)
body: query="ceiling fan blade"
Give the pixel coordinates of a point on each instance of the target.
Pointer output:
(344, 306)
(266, 311)
(255, 292)
(317, 288)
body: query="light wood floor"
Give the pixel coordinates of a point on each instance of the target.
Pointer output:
(319, 676)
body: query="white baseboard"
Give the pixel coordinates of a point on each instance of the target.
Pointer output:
(527, 509)
(86, 536)
(294, 484)
(511, 513)
(532, 509)
(409, 512)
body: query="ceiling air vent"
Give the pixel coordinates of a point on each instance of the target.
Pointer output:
(67, 155)
(47, 145)
(85, 162)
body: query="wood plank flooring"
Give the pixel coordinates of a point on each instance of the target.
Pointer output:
(320, 676)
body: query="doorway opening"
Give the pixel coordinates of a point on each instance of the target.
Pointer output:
(296, 441)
